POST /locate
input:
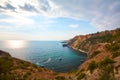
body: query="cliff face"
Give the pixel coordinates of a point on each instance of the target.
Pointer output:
(103, 50)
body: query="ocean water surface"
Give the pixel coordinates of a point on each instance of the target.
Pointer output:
(50, 54)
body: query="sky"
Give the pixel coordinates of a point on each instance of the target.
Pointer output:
(56, 19)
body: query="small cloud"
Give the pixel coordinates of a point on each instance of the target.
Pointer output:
(28, 7)
(7, 7)
(10, 7)
(74, 25)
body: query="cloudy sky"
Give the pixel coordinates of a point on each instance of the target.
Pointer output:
(56, 19)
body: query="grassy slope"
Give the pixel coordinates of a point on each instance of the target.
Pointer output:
(103, 49)
(16, 69)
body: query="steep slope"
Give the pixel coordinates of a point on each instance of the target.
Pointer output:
(15, 69)
(103, 50)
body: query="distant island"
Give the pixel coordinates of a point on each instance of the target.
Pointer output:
(103, 61)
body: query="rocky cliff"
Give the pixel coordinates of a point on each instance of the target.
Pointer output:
(103, 51)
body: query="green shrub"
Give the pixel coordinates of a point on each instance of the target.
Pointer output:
(22, 65)
(92, 65)
(27, 74)
(5, 64)
(82, 70)
(73, 71)
(106, 69)
(81, 76)
(115, 54)
(113, 47)
(95, 53)
(117, 68)
(105, 62)
(60, 78)
(6, 76)
(107, 73)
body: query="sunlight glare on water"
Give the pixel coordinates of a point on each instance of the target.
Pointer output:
(15, 44)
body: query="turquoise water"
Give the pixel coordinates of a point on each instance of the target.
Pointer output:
(50, 54)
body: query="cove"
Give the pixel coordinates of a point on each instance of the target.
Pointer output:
(49, 54)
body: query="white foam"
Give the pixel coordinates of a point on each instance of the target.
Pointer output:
(49, 59)
(37, 63)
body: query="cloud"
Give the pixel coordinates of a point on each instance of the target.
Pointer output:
(28, 7)
(102, 14)
(74, 25)
(8, 7)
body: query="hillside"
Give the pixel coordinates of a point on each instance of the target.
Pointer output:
(15, 69)
(103, 50)
(103, 61)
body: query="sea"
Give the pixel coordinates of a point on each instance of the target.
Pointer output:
(50, 54)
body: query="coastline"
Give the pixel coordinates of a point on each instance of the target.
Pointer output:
(84, 52)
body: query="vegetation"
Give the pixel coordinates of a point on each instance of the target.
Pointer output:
(105, 62)
(5, 64)
(106, 74)
(95, 53)
(6, 76)
(114, 48)
(82, 70)
(16, 69)
(81, 76)
(60, 78)
(92, 66)
(105, 43)
(5, 67)
(106, 69)
(115, 54)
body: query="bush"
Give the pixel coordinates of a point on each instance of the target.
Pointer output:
(92, 65)
(6, 76)
(95, 53)
(106, 69)
(5, 64)
(115, 54)
(27, 74)
(22, 65)
(82, 70)
(113, 47)
(107, 73)
(81, 76)
(105, 62)
(60, 78)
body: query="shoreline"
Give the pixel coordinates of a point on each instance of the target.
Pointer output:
(84, 52)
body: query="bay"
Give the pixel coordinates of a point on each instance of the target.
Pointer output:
(50, 54)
